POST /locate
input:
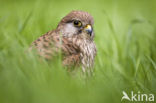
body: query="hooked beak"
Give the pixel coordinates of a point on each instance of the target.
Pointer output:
(88, 29)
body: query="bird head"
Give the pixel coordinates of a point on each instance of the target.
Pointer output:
(78, 23)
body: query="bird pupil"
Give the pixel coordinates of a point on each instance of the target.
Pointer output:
(76, 22)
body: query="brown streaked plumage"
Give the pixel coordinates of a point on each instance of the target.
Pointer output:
(74, 36)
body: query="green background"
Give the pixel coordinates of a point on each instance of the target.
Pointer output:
(125, 35)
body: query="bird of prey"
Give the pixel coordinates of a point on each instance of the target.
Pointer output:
(74, 36)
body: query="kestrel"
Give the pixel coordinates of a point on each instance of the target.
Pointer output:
(74, 37)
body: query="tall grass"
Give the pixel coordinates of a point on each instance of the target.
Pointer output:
(126, 58)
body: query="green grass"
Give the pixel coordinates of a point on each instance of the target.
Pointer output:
(126, 58)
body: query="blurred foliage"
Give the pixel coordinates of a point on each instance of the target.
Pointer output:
(126, 58)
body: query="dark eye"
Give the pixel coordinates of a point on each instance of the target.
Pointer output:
(77, 23)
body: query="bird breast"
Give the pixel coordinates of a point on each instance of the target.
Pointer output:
(87, 51)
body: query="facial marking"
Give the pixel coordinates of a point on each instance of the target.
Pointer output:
(69, 29)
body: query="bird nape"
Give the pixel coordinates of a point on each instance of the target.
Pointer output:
(74, 36)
